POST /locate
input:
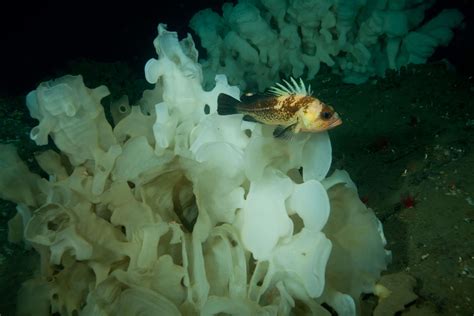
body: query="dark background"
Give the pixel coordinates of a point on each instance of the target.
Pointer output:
(37, 37)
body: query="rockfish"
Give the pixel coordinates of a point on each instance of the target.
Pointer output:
(291, 107)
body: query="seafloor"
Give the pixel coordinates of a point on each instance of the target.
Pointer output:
(407, 142)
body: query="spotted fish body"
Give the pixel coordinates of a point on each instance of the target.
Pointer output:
(279, 110)
(290, 107)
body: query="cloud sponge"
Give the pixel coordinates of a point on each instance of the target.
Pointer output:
(177, 210)
(253, 42)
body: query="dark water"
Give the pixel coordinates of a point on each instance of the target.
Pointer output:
(406, 140)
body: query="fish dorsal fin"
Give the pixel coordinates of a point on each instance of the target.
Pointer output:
(289, 88)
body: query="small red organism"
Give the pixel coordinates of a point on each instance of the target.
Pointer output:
(364, 199)
(408, 201)
(380, 144)
(414, 121)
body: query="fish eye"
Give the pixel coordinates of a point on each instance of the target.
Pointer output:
(326, 115)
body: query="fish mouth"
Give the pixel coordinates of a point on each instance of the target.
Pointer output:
(335, 123)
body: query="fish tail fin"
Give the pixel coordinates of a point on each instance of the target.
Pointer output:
(227, 105)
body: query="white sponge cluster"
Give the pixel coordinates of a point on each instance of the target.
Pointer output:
(179, 211)
(256, 40)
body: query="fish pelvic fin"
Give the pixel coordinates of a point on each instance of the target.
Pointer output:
(227, 105)
(284, 132)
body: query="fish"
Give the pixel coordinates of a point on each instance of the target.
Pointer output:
(290, 107)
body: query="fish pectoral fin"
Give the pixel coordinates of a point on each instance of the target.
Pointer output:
(284, 132)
